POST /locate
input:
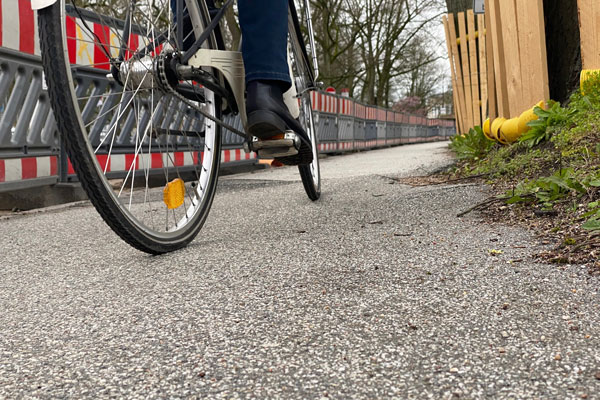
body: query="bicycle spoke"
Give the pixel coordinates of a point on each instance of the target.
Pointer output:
(115, 66)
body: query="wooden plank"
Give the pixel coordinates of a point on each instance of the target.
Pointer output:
(452, 74)
(536, 8)
(459, 74)
(589, 18)
(585, 9)
(495, 29)
(512, 62)
(457, 111)
(473, 67)
(455, 98)
(532, 51)
(491, 80)
(464, 58)
(597, 30)
(458, 71)
(483, 82)
(529, 73)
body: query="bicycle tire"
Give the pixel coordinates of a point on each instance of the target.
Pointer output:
(129, 220)
(310, 174)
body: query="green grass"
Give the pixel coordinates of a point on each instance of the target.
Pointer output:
(556, 165)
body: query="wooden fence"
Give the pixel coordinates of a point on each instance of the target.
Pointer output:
(498, 62)
(467, 53)
(498, 67)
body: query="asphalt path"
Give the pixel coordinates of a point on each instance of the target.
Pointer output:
(377, 290)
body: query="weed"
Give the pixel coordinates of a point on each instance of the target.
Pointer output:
(471, 146)
(545, 126)
(548, 190)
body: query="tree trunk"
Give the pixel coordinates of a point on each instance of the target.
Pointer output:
(563, 47)
(456, 6)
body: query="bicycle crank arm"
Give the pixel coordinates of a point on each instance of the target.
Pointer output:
(288, 146)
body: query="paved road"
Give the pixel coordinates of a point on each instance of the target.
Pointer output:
(376, 291)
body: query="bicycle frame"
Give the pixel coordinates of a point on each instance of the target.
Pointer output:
(229, 63)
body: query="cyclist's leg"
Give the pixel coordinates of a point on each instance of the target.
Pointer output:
(264, 25)
(264, 28)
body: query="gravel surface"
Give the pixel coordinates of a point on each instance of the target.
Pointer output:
(375, 291)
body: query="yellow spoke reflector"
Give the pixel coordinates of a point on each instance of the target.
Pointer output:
(173, 194)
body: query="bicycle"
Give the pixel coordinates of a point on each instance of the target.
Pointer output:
(163, 89)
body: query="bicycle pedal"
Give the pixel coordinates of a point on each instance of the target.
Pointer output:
(276, 152)
(272, 148)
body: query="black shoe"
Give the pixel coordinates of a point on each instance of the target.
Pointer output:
(269, 117)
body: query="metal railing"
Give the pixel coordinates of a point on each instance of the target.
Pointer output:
(31, 152)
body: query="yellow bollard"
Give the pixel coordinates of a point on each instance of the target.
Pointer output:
(585, 75)
(486, 129)
(509, 131)
(529, 115)
(496, 124)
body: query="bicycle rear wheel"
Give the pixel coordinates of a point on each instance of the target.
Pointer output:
(146, 155)
(303, 76)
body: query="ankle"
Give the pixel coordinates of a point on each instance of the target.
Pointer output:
(277, 86)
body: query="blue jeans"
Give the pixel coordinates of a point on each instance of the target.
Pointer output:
(264, 25)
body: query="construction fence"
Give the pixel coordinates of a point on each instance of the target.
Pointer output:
(31, 153)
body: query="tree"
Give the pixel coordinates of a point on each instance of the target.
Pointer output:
(411, 105)
(425, 74)
(385, 31)
(456, 6)
(339, 62)
(562, 47)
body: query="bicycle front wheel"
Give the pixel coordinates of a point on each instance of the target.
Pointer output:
(144, 145)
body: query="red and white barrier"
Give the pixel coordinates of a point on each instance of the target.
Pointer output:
(19, 31)
(19, 169)
(18, 26)
(372, 113)
(85, 49)
(346, 146)
(327, 146)
(125, 162)
(346, 107)
(325, 103)
(234, 155)
(360, 111)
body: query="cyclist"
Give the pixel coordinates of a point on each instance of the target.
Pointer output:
(264, 25)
